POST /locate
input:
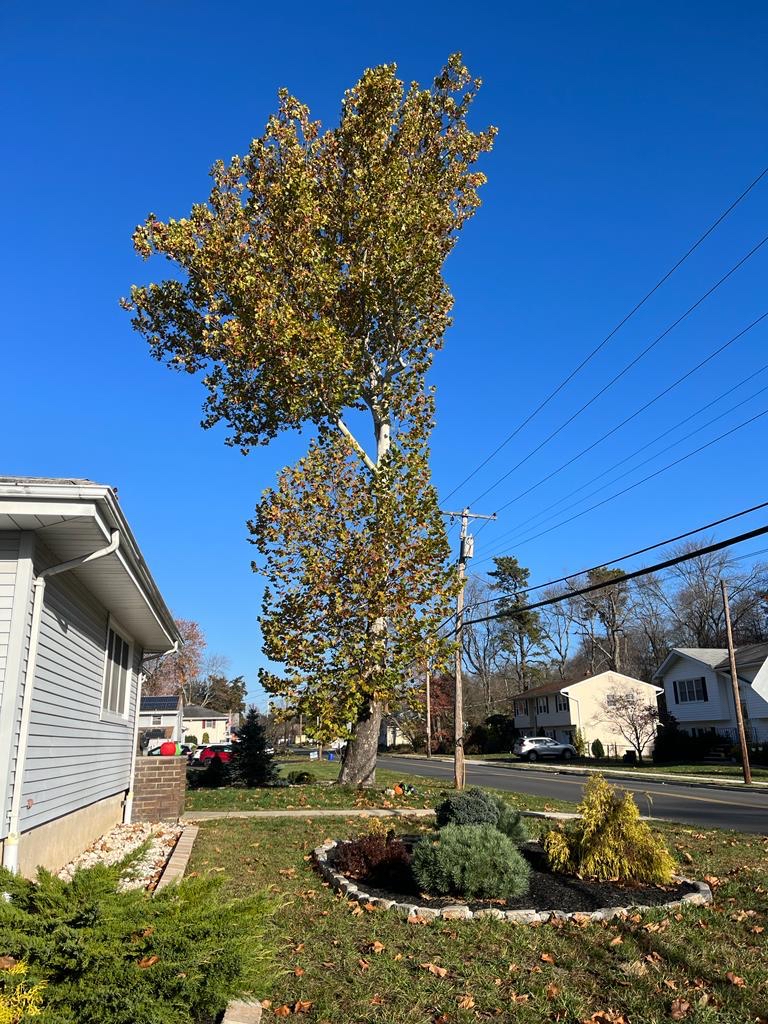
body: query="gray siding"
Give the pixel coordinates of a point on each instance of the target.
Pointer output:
(9, 553)
(74, 756)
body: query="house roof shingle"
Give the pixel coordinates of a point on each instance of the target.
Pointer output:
(195, 711)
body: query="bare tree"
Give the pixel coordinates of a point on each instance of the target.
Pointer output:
(483, 642)
(602, 618)
(632, 716)
(557, 622)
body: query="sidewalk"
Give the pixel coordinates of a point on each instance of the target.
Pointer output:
(720, 782)
(350, 812)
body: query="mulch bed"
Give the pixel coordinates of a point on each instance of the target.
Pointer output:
(548, 891)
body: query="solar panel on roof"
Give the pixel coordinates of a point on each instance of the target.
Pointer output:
(163, 703)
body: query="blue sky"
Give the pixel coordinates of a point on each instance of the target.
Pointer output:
(624, 131)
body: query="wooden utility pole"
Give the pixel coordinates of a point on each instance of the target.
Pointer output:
(466, 550)
(735, 686)
(428, 681)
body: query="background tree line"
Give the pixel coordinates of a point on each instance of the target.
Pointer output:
(628, 627)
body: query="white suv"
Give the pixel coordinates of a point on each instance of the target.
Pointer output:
(532, 748)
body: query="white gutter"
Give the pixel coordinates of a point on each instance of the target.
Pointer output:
(128, 802)
(11, 844)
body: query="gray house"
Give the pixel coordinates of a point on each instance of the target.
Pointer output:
(79, 611)
(160, 718)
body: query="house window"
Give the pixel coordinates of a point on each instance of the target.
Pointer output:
(117, 674)
(156, 719)
(520, 707)
(562, 702)
(542, 705)
(689, 691)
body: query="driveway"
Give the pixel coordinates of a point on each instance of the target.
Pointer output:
(705, 806)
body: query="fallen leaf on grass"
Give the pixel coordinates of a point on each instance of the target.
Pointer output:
(299, 948)
(466, 1002)
(547, 958)
(377, 947)
(606, 1017)
(376, 1000)
(298, 971)
(266, 1003)
(735, 979)
(369, 907)
(417, 919)
(439, 972)
(617, 941)
(148, 961)
(302, 1006)
(363, 964)
(283, 1011)
(679, 1009)
(553, 991)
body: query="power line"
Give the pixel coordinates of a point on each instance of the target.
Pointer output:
(636, 413)
(650, 476)
(608, 337)
(630, 554)
(627, 576)
(705, 408)
(623, 371)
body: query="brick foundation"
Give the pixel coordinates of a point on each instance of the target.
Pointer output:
(159, 785)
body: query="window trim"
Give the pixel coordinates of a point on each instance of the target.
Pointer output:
(562, 703)
(545, 710)
(677, 685)
(117, 717)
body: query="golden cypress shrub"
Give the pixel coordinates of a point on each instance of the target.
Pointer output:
(609, 842)
(18, 1000)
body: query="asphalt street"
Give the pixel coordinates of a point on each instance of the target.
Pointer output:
(706, 806)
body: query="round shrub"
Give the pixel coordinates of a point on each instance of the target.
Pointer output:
(510, 822)
(300, 778)
(474, 861)
(471, 806)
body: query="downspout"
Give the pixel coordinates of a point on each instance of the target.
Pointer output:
(128, 802)
(11, 845)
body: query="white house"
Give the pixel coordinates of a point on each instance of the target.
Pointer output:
(699, 693)
(558, 709)
(79, 611)
(199, 722)
(160, 719)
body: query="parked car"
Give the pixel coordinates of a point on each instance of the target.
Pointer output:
(532, 748)
(221, 750)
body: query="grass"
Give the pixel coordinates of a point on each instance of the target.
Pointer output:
(322, 795)
(733, 771)
(644, 968)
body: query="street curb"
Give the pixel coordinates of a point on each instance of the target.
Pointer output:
(691, 781)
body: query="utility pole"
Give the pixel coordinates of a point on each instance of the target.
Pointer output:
(428, 681)
(466, 551)
(735, 685)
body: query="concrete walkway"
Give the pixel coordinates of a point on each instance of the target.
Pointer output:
(350, 812)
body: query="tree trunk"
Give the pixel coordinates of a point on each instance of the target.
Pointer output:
(358, 766)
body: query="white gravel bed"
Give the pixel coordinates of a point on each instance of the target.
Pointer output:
(116, 844)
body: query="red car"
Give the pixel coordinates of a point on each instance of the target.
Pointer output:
(221, 750)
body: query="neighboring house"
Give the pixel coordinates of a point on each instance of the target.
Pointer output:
(198, 721)
(699, 693)
(79, 611)
(160, 719)
(559, 709)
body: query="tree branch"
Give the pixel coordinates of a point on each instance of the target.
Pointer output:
(365, 457)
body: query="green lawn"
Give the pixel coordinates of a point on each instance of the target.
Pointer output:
(333, 974)
(322, 795)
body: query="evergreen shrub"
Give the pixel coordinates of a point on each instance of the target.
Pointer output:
(474, 806)
(471, 806)
(609, 842)
(109, 957)
(473, 861)
(598, 750)
(300, 778)
(251, 765)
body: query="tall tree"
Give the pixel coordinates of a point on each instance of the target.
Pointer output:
(340, 559)
(485, 653)
(178, 672)
(521, 631)
(602, 618)
(310, 285)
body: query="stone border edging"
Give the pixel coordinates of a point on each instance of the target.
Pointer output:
(460, 912)
(176, 864)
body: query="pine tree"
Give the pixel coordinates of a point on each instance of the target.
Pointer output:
(251, 764)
